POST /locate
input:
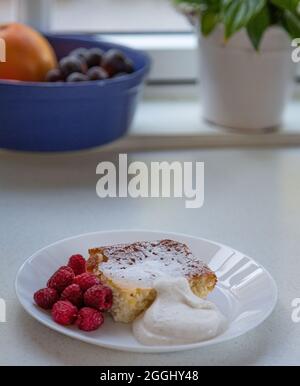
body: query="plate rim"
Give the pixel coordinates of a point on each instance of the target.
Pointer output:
(144, 349)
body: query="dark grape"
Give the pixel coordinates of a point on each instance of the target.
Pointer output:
(80, 53)
(54, 75)
(94, 57)
(129, 67)
(71, 64)
(77, 77)
(91, 64)
(97, 73)
(114, 61)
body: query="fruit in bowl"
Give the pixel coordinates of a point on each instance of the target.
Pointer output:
(83, 65)
(89, 115)
(29, 56)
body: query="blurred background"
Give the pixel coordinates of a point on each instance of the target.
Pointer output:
(108, 15)
(154, 26)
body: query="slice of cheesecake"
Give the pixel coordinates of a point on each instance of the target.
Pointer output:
(130, 270)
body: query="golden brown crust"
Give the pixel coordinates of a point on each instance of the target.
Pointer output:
(168, 251)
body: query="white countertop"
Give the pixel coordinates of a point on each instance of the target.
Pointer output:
(252, 203)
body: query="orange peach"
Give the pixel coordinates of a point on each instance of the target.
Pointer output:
(29, 56)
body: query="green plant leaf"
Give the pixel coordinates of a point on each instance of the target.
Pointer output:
(254, 15)
(209, 21)
(291, 23)
(258, 25)
(212, 5)
(238, 13)
(195, 3)
(290, 5)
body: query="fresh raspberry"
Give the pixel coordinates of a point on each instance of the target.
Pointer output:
(46, 297)
(77, 263)
(74, 294)
(89, 319)
(61, 279)
(99, 297)
(86, 281)
(64, 312)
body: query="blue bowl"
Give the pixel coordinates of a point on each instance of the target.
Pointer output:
(64, 117)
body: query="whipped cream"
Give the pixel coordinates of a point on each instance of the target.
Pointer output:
(177, 316)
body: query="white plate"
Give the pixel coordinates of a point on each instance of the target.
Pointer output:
(246, 293)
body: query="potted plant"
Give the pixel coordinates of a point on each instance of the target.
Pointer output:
(245, 58)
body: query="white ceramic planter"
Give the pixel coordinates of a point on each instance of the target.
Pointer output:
(241, 88)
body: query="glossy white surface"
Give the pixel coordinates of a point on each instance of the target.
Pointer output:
(251, 202)
(246, 294)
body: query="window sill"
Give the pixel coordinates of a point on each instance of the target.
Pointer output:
(156, 127)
